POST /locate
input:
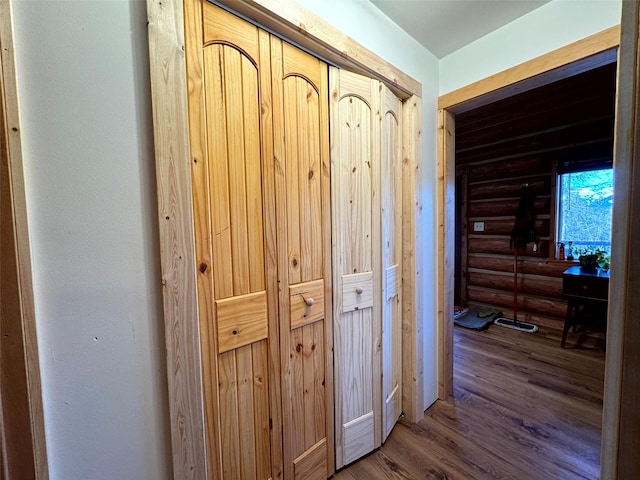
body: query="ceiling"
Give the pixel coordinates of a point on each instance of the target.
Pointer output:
(444, 26)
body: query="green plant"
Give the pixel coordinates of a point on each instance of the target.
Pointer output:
(590, 259)
(605, 262)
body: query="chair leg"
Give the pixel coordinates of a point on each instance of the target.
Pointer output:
(568, 321)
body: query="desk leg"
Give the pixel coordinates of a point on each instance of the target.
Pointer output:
(568, 321)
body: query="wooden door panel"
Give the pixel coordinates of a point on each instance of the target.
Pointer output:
(392, 410)
(243, 396)
(355, 162)
(301, 64)
(237, 219)
(359, 437)
(261, 184)
(302, 188)
(312, 465)
(308, 392)
(220, 26)
(227, 133)
(391, 225)
(357, 291)
(307, 303)
(241, 320)
(356, 364)
(356, 118)
(391, 287)
(304, 211)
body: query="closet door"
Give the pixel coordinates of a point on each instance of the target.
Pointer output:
(366, 160)
(301, 151)
(355, 160)
(233, 204)
(391, 187)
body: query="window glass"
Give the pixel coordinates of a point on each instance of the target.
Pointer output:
(585, 200)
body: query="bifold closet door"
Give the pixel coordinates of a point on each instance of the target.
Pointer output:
(355, 157)
(391, 224)
(231, 145)
(366, 156)
(301, 151)
(259, 140)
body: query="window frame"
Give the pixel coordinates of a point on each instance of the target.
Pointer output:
(556, 214)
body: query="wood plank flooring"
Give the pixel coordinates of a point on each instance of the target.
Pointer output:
(523, 408)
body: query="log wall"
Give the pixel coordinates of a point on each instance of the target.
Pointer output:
(501, 147)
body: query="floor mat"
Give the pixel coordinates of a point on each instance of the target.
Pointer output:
(477, 318)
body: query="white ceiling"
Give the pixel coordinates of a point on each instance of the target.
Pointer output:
(444, 26)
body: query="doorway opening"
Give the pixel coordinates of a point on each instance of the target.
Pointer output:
(529, 142)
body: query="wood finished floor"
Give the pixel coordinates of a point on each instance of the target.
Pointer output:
(523, 408)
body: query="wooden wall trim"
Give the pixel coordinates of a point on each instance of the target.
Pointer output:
(177, 251)
(412, 309)
(577, 57)
(621, 414)
(294, 23)
(11, 123)
(446, 245)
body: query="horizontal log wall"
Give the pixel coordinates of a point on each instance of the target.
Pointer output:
(503, 146)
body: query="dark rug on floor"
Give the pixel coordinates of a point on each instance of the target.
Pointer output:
(477, 318)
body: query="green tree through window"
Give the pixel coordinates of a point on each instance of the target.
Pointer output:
(584, 214)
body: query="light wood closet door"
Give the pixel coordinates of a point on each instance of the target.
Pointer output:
(391, 224)
(301, 150)
(355, 134)
(366, 156)
(235, 242)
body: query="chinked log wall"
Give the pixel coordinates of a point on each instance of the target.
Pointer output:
(503, 146)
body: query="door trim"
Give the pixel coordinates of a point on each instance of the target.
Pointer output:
(30, 366)
(620, 442)
(175, 210)
(572, 59)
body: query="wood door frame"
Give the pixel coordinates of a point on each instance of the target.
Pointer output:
(619, 438)
(621, 412)
(583, 55)
(175, 210)
(29, 366)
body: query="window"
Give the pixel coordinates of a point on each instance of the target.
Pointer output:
(585, 200)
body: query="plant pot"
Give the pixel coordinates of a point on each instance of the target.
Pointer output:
(588, 268)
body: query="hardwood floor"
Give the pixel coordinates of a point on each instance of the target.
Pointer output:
(523, 408)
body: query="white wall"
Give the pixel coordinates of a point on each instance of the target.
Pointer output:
(543, 30)
(90, 182)
(370, 27)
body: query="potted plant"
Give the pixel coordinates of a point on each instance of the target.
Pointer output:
(591, 259)
(605, 263)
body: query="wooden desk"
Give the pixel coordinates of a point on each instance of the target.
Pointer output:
(582, 289)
